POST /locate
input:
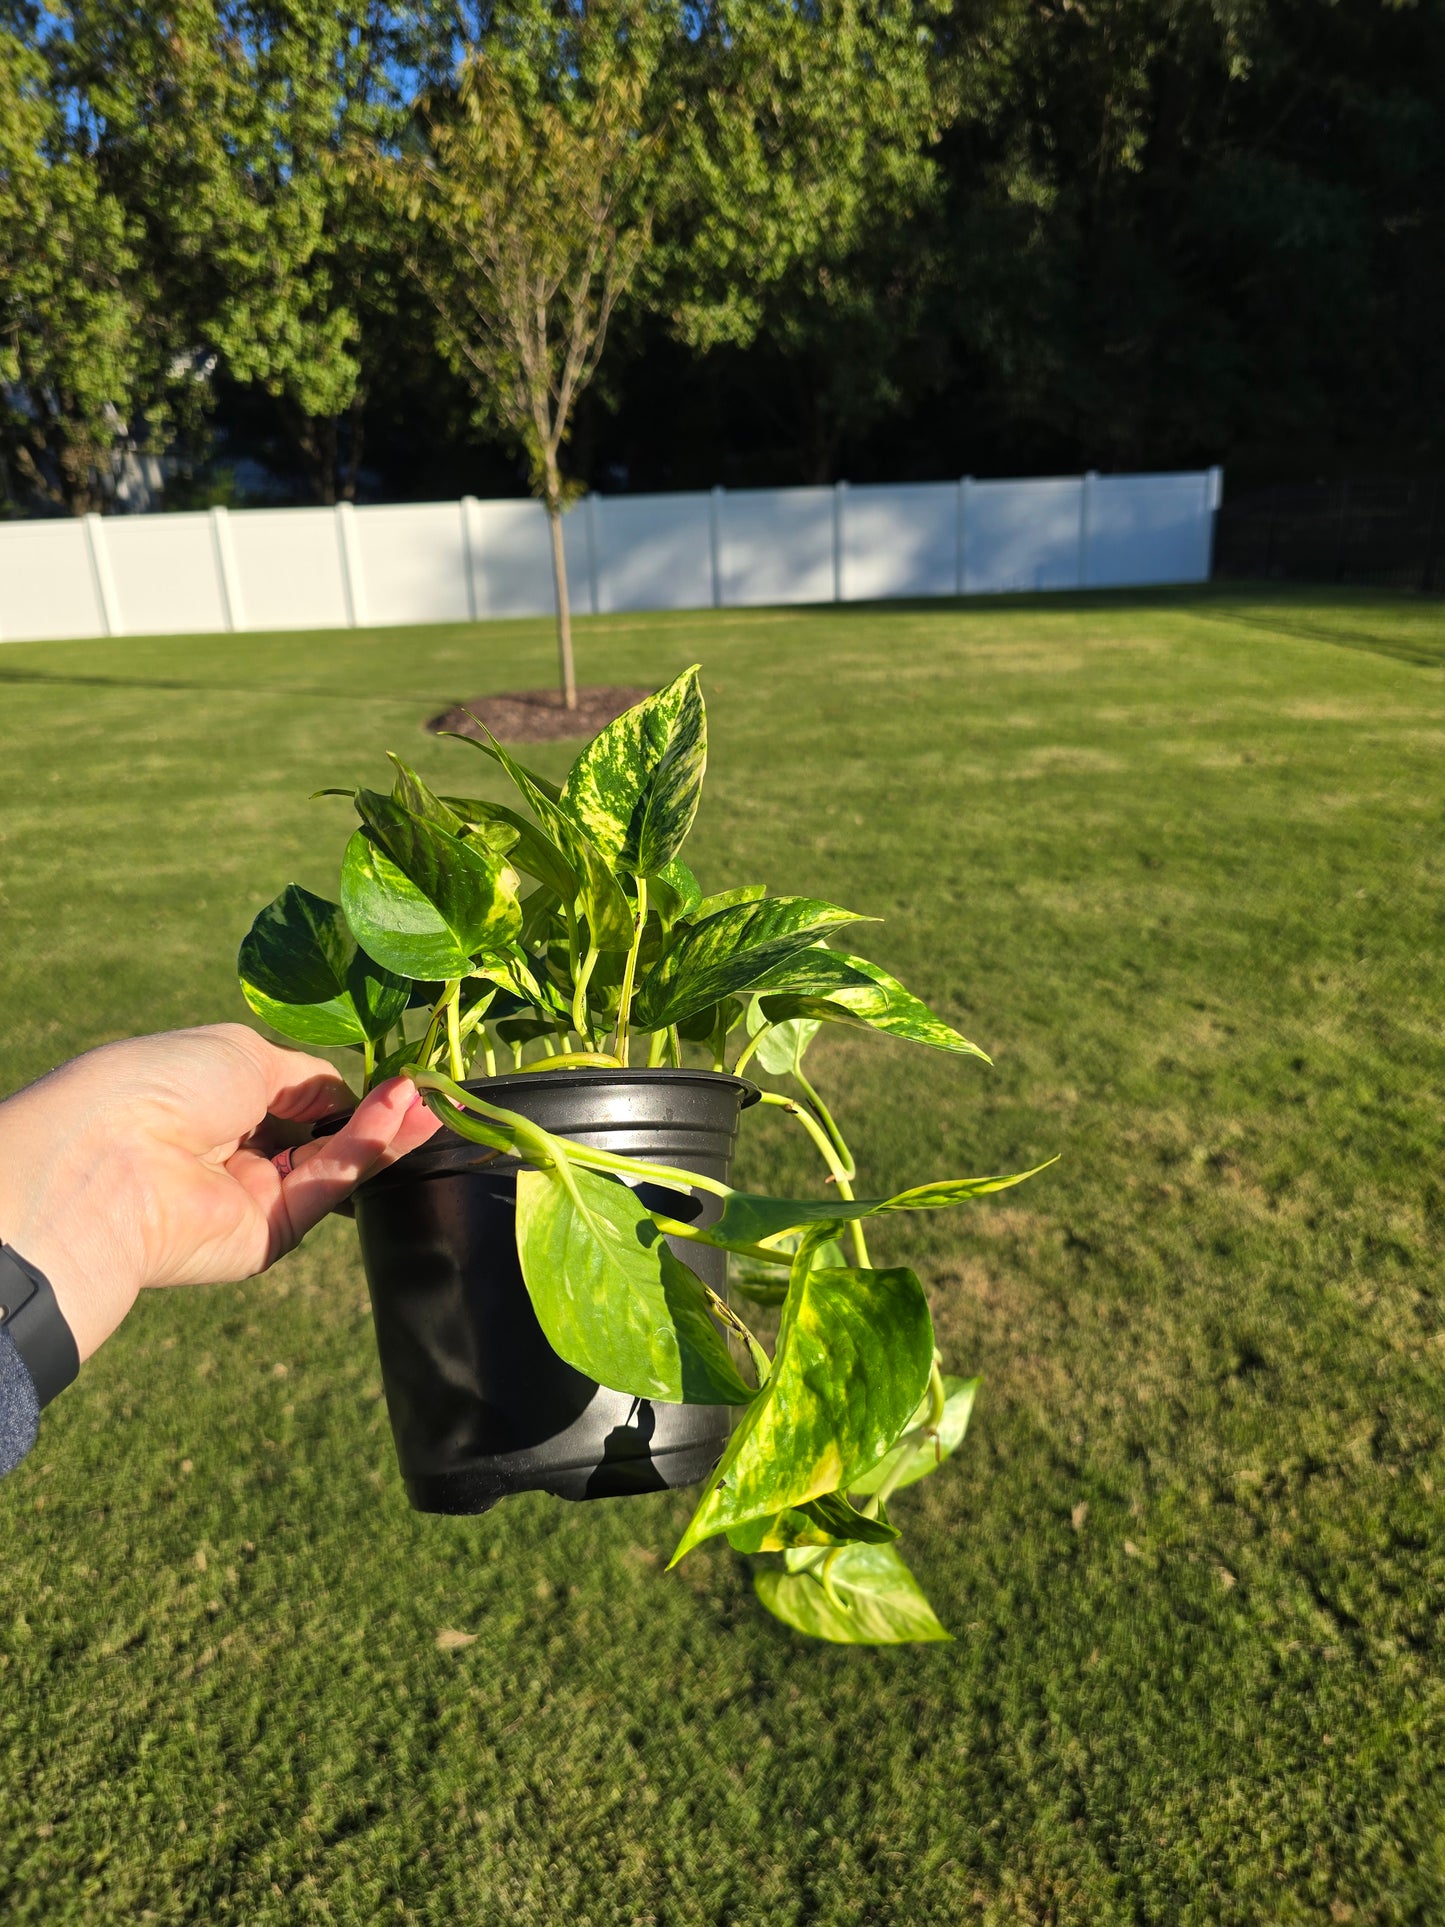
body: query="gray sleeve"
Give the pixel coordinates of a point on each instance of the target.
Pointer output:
(19, 1407)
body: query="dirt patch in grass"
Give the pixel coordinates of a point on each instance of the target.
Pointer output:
(537, 715)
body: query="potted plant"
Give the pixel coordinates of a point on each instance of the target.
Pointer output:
(549, 1274)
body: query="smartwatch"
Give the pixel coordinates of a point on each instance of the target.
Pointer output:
(35, 1325)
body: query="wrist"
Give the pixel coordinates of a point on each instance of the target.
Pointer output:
(57, 1214)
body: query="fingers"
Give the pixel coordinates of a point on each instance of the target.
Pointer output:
(386, 1124)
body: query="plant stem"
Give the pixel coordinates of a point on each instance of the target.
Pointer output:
(836, 1169)
(825, 1117)
(594, 1060)
(624, 1001)
(368, 1060)
(747, 1050)
(580, 1018)
(454, 1032)
(657, 1048)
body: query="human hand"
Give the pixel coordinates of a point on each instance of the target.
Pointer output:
(149, 1162)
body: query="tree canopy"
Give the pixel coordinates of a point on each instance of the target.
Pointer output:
(883, 238)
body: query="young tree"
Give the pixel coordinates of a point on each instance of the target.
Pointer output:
(689, 158)
(534, 221)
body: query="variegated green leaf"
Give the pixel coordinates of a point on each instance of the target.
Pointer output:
(635, 787)
(302, 971)
(612, 1297)
(854, 1353)
(674, 892)
(871, 1599)
(827, 986)
(918, 1457)
(731, 950)
(426, 903)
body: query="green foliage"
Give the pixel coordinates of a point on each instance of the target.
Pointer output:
(590, 964)
(612, 1298)
(865, 1596)
(636, 787)
(303, 971)
(85, 340)
(853, 1357)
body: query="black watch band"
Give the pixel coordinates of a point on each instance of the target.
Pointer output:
(36, 1326)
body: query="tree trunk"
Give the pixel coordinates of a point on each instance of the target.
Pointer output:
(565, 665)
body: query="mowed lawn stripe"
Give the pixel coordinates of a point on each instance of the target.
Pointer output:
(1175, 861)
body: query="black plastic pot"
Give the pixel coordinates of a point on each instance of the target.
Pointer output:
(480, 1404)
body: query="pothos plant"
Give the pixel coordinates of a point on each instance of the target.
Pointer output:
(473, 936)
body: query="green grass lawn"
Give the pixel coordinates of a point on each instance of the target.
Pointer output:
(1176, 862)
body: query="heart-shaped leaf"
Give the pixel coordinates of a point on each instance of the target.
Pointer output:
(875, 1600)
(854, 1353)
(302, 971)
(732, 950)
(426, 919)
(612, 1297)
(918, 1457)
(635, 787)
(827, 986)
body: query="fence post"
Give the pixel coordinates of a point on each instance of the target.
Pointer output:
(227, 573)
(464, 510)
(1086, 504)
(353, 588)
(840, 490)
(960, 535)
(593, 510)
(714, 531)
(104, 580)
(1213, 501)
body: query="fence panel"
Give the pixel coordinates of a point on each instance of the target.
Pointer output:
(899, 540)
(1023, 535)
(652, 551)
(289, 567)
(47, 585)
(512, 559)
(444, 562)
(166, 574)
(413, 563)
(1146, 529)
(775, 545)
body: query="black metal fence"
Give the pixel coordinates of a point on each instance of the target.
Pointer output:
(1387, 532)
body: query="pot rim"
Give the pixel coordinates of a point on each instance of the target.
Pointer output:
(577, 1075)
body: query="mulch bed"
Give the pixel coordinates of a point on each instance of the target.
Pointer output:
(537, 715)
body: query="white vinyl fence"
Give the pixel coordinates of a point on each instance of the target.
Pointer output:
(455, 561)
